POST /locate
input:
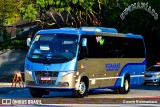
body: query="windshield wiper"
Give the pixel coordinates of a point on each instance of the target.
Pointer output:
(60, 56)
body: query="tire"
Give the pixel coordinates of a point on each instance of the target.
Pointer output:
(126, 86)
(90, 92)
(115, 91)
(36, 93)
(83, 89)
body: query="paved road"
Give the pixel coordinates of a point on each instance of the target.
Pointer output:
(150, 91)
(11, 61)
(146, 96)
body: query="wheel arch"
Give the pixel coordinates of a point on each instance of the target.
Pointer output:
(127, 75)
(85, 78)
(82, 76)
(80, 92)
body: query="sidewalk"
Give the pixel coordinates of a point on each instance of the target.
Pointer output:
(4, 51)
(9, 85)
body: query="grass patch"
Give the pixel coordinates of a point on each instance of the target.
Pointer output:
(13, 44)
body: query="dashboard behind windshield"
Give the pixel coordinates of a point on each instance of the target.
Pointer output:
(53, 48)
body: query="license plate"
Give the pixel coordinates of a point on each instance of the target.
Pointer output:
(45, 78)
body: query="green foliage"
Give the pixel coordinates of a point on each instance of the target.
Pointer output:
(81, 1)
(81, 11)
(29, 12)
(40, 3)
(13, 44)
(68, 9)
(74, 1)
(9, 11)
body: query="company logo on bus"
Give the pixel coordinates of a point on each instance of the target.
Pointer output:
(113, 66)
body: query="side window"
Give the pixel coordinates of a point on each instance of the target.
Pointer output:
(113, 47)
(136, 48)
(91, 51)
(102, 47)
(139, 48)
(118, 47)
(109, 47)
(126, 51)
(92, 47)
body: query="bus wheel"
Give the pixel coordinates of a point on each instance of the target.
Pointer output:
(82, 89)
(37, 93)
(90, 92)
(116, 91)
(126, 86)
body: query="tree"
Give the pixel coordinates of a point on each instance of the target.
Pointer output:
(70, 12)
(9, 11)
(8, 15)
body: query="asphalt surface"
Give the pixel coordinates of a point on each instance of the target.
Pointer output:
(10, 62)
(141, 96)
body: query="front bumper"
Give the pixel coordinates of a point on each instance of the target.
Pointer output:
(152, 80)
(66, 82)
(52, 88)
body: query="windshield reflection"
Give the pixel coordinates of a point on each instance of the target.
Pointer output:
(53, 48)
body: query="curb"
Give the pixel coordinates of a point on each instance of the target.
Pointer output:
(4, 51)
(151, 97)
(9, 85)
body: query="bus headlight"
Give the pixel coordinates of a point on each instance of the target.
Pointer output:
(29, 72)
(66, 73)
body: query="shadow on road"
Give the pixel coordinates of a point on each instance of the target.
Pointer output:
(10, 62)
(101, 91)
(147, 87)
(70, 94)
(7, 90)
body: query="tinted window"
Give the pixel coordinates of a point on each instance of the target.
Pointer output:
(114, 47)
(118, 47)
(135, 48)
(154, 69)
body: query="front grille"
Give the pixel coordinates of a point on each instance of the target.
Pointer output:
(46, 77)
(148, 75)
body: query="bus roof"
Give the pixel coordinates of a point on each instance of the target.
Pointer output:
(81, 30)
(99, 29)
(90, 31)
(67, 31)
(130, 35)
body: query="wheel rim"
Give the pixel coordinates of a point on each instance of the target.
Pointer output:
(126, 85)
(82, 87)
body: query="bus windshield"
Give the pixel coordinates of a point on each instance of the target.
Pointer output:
(53, 48)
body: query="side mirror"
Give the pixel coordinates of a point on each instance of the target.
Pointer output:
(84, 42)
(28, 41)
(84, 47)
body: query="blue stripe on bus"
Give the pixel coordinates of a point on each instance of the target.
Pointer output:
(143, 63)
(109, 87)
(120, 81)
